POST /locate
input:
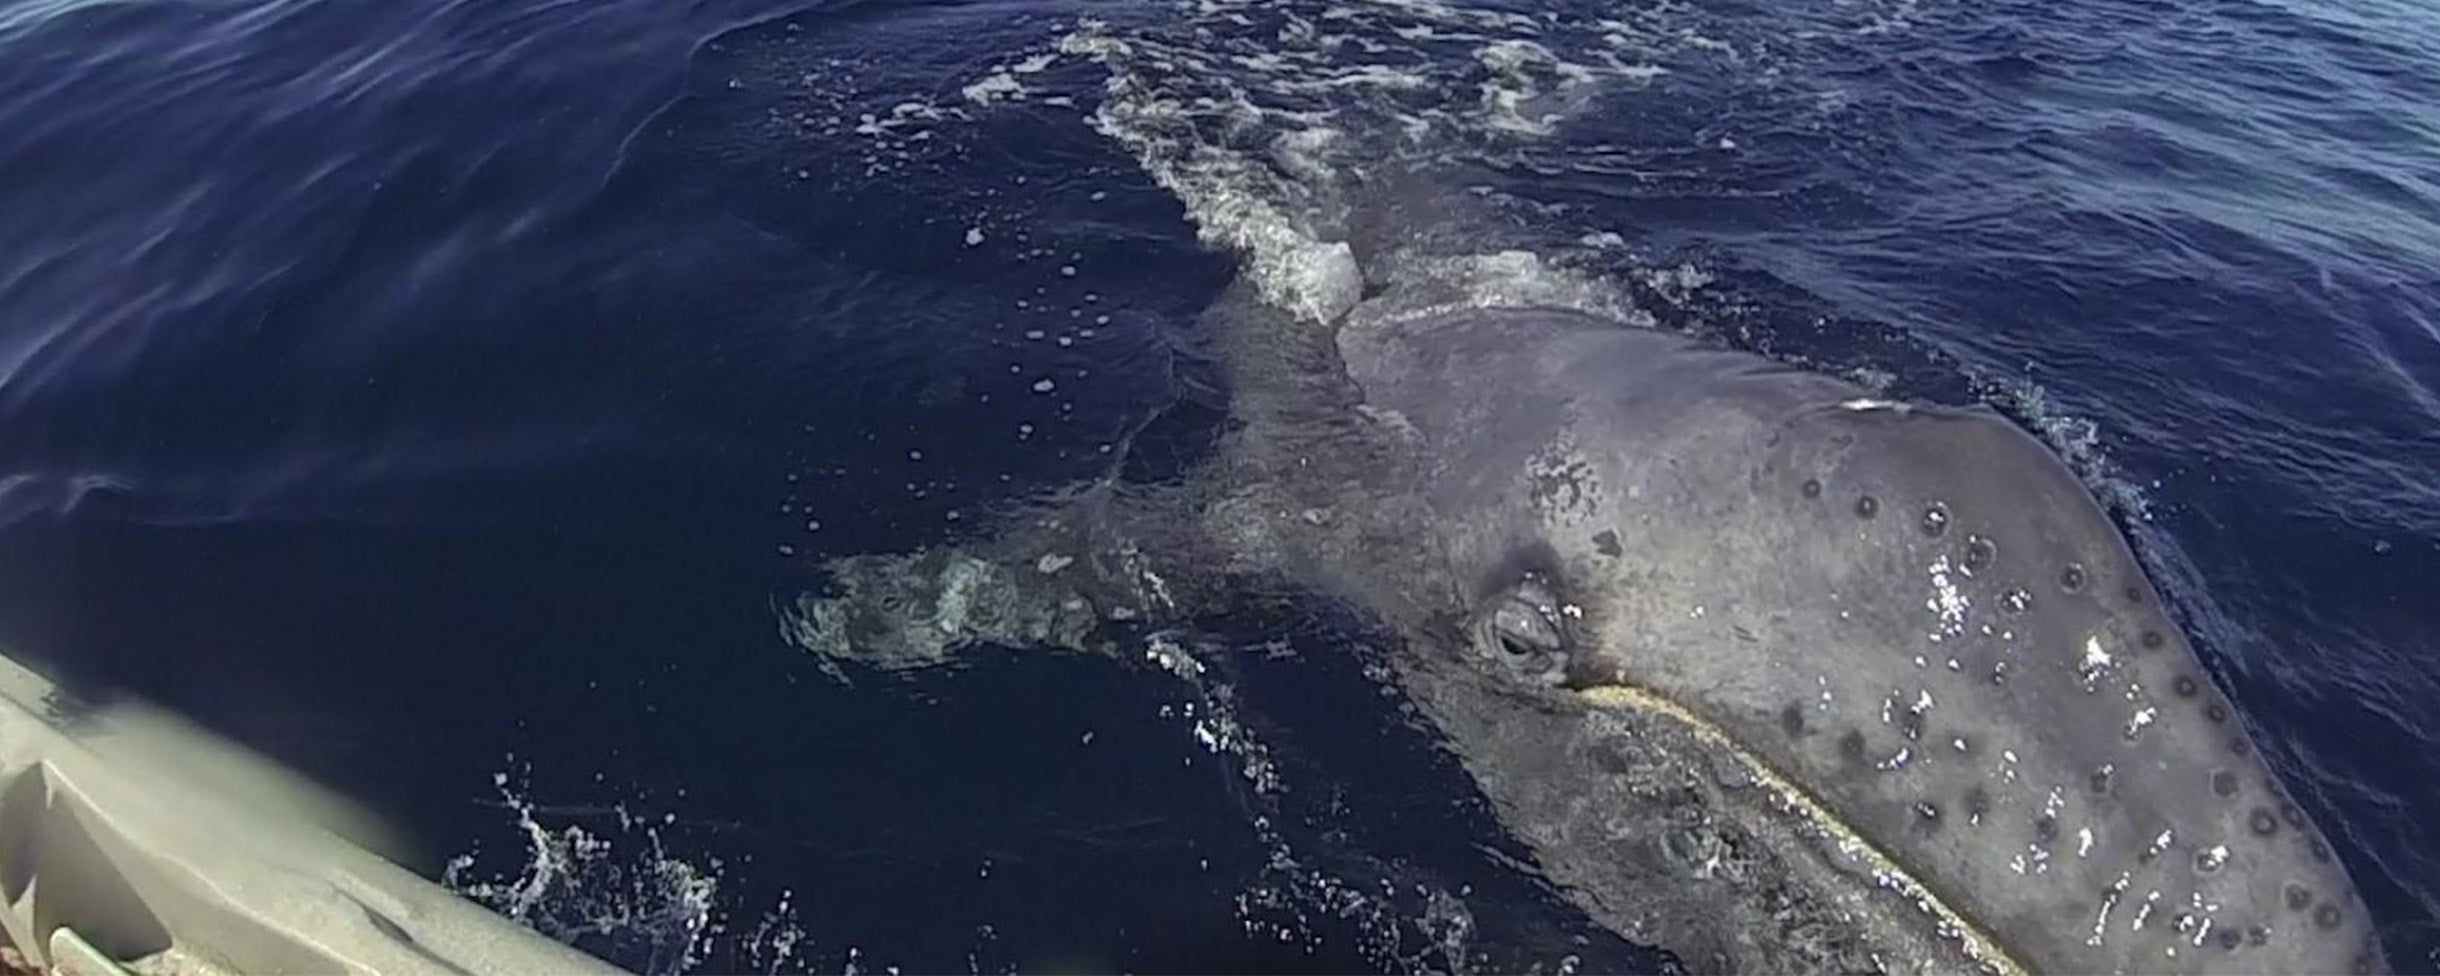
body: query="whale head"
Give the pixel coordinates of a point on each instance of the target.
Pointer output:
(1909, 628)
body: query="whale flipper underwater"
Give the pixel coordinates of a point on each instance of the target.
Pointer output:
(1766, 672)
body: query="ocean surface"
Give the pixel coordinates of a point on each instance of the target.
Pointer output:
(449, 397)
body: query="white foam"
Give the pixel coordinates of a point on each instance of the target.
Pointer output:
(903, 118)
(994, 88)
(1003, 84)
(1511, 86)
(1271, 135)
(1509, 278)
(2076, 439)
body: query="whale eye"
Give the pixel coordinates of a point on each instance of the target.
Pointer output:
(1523, 626)
(1526, 631)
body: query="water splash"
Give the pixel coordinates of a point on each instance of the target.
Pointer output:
(617, 893)
(1277, 124)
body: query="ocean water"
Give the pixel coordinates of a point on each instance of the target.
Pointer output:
(448, 397)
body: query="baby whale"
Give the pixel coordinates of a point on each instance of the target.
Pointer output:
(1915, 618)
(1766, 671)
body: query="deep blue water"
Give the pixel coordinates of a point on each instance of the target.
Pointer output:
(425, 391)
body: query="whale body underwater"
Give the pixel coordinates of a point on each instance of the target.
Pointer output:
(1765, 671)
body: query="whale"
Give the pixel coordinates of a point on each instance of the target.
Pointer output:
(1763, 668)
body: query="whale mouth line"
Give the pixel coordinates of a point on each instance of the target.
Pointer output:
(1616, 694)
